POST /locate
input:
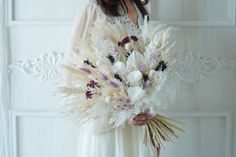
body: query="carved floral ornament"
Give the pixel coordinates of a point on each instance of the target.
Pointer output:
(44, 67)
(189, 68)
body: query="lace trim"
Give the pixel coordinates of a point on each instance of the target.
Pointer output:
(125, 19)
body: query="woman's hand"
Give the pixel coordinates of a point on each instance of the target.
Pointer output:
(141, 118)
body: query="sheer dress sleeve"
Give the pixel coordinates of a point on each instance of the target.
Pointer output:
(80, 31)
(82, 24)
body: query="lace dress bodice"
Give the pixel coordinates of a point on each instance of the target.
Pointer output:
(125, 19)
(85, 18)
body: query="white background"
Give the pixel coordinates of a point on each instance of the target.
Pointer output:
(39, 29)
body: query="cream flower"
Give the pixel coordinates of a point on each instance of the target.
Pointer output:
(134, 77)
(136, 93)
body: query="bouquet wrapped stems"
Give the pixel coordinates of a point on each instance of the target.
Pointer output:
(159, 129)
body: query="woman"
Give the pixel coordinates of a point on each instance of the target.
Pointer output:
(119, 142)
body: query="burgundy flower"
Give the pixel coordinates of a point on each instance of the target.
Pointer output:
(124, 41)
(93, 84)
(134, 38)
(127, 39)
(89, 94)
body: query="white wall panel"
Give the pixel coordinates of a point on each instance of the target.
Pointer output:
(43, 11)
(37, 134)
(28, 93)
(30, 38)
(31, 42)
(194, 12)
(207, 134)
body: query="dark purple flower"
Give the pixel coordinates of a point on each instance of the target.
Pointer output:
(161, 66)
(89, 63)
(111, 59)
(89, 94)
(127, 54)
(145, 77)
(118, 77)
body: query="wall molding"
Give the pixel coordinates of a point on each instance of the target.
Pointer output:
(12, 22)
(13, 125)
(14, 114)
(230, 21)
(226, 115)
(192, 68)
(189, 68)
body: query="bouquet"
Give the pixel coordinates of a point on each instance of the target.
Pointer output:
(118, 75)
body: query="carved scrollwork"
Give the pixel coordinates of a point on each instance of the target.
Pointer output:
(192, 68)
(188, 68)
(45, 67)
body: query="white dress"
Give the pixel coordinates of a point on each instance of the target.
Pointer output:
(119, 142)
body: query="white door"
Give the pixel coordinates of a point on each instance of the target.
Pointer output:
(32, 42)
(37, 32)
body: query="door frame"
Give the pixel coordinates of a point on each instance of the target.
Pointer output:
(4, 84)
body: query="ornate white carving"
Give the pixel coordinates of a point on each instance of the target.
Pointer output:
(188, 68)
(44, 67)
(192, 68)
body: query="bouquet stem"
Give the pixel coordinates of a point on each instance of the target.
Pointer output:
(158, 151)
(159, 129)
